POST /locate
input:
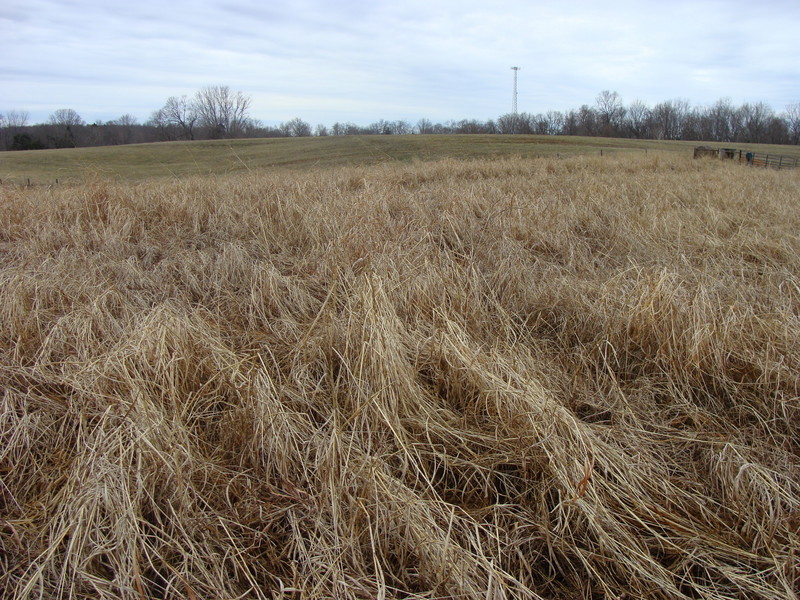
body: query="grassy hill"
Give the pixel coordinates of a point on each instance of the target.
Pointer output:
(180, 159)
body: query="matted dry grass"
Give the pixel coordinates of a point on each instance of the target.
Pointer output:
(482, 379)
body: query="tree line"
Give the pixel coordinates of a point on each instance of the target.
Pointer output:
(217, 112)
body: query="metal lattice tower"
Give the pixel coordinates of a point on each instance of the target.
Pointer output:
(514, 96)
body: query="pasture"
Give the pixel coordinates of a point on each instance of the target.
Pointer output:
(478, 375)
(176, 160)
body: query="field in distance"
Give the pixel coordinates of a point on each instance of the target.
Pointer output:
(181, 159)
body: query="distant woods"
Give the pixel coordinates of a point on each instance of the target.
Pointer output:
(217, 112)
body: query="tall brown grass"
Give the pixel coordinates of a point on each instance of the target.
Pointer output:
(566, 378)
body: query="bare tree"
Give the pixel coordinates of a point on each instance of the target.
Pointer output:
(10, 125)
(693, 126)
(570, 125)
(159, 121)
(756, 118)
(424, 126)
(719, 120)
(587, 121)
(792, 116)
(16, 118)
(555, 122)
(401, 127)
(296, 128)
(66, 117)
(65, 123)
(254, 128)
(513, 123)
(610, 112)
(126, 120)
(222, 112)
(380, 127)
(176, 119)
(123, 129)
(539, 124)
(637, 117)
(777, 131)
(668, 119)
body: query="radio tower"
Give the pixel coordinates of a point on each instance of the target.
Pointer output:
(514, 97)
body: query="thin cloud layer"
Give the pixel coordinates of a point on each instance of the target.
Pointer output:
(361, 61)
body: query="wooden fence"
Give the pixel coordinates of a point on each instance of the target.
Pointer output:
(760, 159)
(777, 161)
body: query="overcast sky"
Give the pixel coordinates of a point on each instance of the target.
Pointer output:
(364, 60)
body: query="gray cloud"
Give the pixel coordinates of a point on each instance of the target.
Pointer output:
(361, 61)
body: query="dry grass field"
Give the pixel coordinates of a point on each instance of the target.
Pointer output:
(571, 378)
(178, 160)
